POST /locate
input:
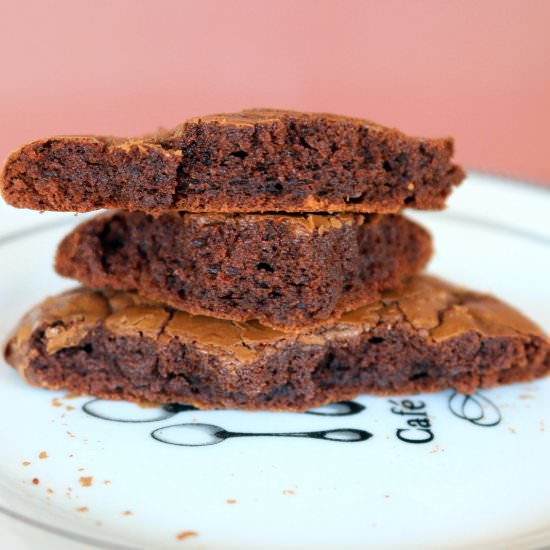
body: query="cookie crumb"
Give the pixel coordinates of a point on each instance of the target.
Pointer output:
(35, 481)
(86, 481)
(71, 396)
(288, 492)
(107, 482)
(127, 513)
(48, 490)
(82, 509)
(231, 501)
(43, 454)
(81, 469)
(512, 430)
(182, 535)
(69, 407)
(25, 463)
(56, 402)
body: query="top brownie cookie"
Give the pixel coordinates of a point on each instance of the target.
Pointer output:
(253, 161)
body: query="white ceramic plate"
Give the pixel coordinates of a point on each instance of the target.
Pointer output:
(476, 478)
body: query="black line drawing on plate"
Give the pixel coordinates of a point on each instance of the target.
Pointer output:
(195, 434)
(340, 408)
(200, 435)
(95, 408)
(476, 409)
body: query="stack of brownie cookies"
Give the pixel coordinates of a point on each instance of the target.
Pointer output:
(256, 260)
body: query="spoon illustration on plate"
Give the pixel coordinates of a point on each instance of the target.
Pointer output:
(200, 435)
(122, 411)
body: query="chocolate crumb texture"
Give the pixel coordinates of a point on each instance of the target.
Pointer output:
(425, 337)
(288, 271)
(254, 161)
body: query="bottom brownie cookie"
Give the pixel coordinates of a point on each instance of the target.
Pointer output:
(427, 337)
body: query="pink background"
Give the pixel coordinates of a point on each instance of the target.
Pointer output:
(478, 70)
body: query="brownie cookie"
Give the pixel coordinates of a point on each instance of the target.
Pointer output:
(288, 271)
(428, 337)
(254, 161)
